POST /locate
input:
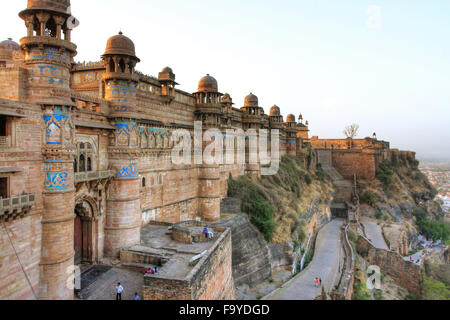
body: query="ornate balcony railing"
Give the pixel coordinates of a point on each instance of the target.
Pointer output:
(5, 142)
(16, 206)
(93, 175)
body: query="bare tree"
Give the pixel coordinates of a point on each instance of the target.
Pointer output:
(351, 131)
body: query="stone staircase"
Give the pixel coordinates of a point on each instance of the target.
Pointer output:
(343, 188)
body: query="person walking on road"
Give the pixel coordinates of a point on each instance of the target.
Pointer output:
(119, 289)
(320, 281)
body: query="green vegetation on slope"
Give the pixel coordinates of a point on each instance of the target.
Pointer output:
(385, 174)
(254, 203)
(435, 290)
(435, 230)
(278, 205)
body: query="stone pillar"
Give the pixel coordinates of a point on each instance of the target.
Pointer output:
(59, 23)
(57, 256)
(43, 18)
(67, 34)
(123, 208)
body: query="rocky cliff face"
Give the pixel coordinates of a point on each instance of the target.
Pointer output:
(250, 254)
(394, 196)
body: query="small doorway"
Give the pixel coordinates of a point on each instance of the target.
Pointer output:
(4, 188)
(83, 244)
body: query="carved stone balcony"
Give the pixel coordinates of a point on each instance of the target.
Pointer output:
(93, 175)
(16, 206)
(5, 142)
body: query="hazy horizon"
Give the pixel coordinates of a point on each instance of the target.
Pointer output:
(380, 64)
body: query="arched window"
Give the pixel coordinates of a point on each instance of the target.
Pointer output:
(89, 164)
(122, 65)
(75, 165)
(130, 65)
(112, 65)
(143, 182)
(50, 28)
(82, 163)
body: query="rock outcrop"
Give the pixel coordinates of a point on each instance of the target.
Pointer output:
(250, 254)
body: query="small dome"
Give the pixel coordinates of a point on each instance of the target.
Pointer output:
(251, 100)
(275, 111)
(62, 6)
(226, 98)
(9, 45)
(120, 44)
(167, 70)
(208, 83)
(290, 118)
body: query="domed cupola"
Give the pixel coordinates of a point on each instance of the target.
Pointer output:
(9, 45)
(275, 117)
(290, 118)
(208, 91)
(208, 84)
(49, 18)
(251, 101)
(120, 45)
(251, 106)
(167, 79)
(7, 48)
(59, 6)
(120, 55)
(275, 111)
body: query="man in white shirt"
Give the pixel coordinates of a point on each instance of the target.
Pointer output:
(119, 289)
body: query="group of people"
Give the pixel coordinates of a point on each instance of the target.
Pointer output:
(317, 282)
(119, 291)
(208, 233)
(152, 270)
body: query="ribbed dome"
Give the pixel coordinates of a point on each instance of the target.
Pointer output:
(62, 6)
(251, 100)
(275, 111)
(226, 98)
(208, 83)
(120, 44)
(290, 118)
(9, 45)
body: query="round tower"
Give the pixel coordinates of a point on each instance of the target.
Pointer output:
(209, 112)
(123, 209)
(48, 55)
(291, 135)
(252, 120)
(120, 81)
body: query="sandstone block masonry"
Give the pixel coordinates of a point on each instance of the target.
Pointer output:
(406, 273)
(210, 279)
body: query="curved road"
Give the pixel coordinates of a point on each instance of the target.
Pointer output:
(374, 234)
(325, 264)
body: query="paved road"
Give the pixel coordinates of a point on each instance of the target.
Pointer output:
(325, 264)
(374, 234)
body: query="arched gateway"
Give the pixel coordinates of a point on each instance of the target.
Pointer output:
(85, 231)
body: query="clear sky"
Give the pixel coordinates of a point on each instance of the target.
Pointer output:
(384, 64)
